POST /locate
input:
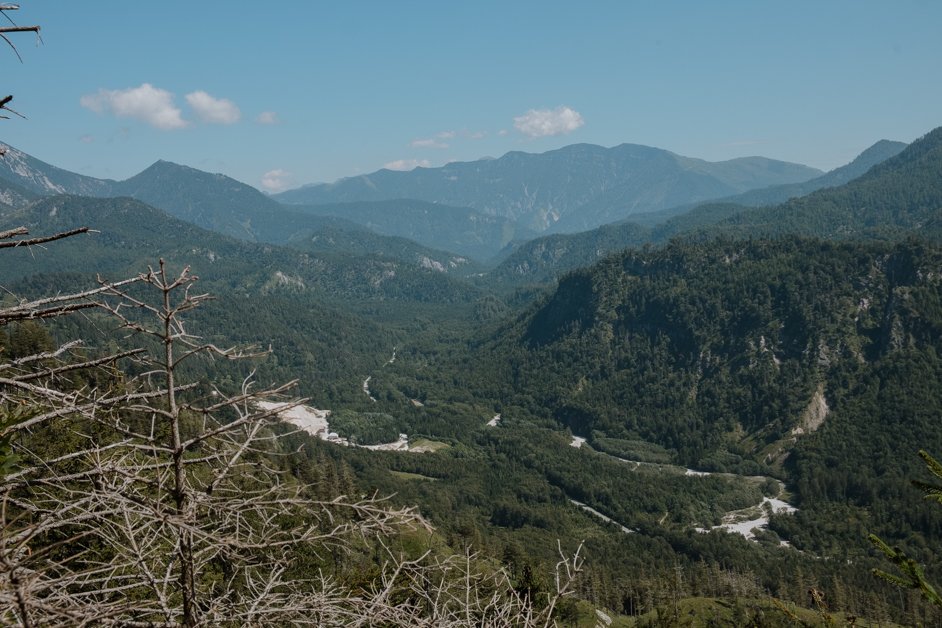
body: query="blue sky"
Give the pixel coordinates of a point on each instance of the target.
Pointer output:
(278, 94)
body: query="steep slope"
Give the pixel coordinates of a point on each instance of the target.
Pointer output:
(42, 178)
(876, 154)
(538, 190)
(706, 348)
(818, 361)
(903, 193)
(212, 201)
(544, 259)
(13, 195)
(224, 205)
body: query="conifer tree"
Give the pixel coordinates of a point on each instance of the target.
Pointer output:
(911, 575)
(130, 496)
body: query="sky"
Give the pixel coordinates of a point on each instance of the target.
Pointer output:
(279, 94)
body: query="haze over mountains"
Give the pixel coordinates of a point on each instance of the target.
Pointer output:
(577, 185)
(845, 211)
(707, 361)
(573, 188)
(472, 209)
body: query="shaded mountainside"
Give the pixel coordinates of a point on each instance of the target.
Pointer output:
(579, 186)
(544, 259)
(876, 154)
(224, 205)
(761, 197)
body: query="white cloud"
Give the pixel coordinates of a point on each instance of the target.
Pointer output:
(445, 135)
(503, 132)
(477, 135)
(213, 110)
(545, 122)
(276, 180)
(268, 117)
(428, 143)
(87, 139)
(407, 164)
(145, 103)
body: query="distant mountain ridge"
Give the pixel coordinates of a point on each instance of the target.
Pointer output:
(761, 197)
(131, 234)
(901, 195)
(222, 204)
(575, 187)
(877, 203)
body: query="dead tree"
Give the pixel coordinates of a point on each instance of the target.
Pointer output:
(169, 506)
(174, 509)
(5, 32)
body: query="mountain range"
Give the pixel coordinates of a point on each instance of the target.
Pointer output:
(787, 351)
(222, 204)
(570, 189)
(871, 204)
(472, 209)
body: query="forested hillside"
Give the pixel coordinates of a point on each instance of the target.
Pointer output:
(809, 362)
(568, 386)
(791, 369)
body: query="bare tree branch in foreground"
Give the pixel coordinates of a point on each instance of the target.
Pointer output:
(170, 507)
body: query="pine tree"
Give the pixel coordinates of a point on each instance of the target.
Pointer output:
(911, 574)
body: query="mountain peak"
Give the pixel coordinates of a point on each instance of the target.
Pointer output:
(42, 178)
(572, 188)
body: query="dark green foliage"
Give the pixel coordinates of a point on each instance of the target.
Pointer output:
(366, 428)
(913, 576)
(701, 347)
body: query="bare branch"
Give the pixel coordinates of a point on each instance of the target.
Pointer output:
(18, 230)
(79, 365)
(40, 240)
(157, 490)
